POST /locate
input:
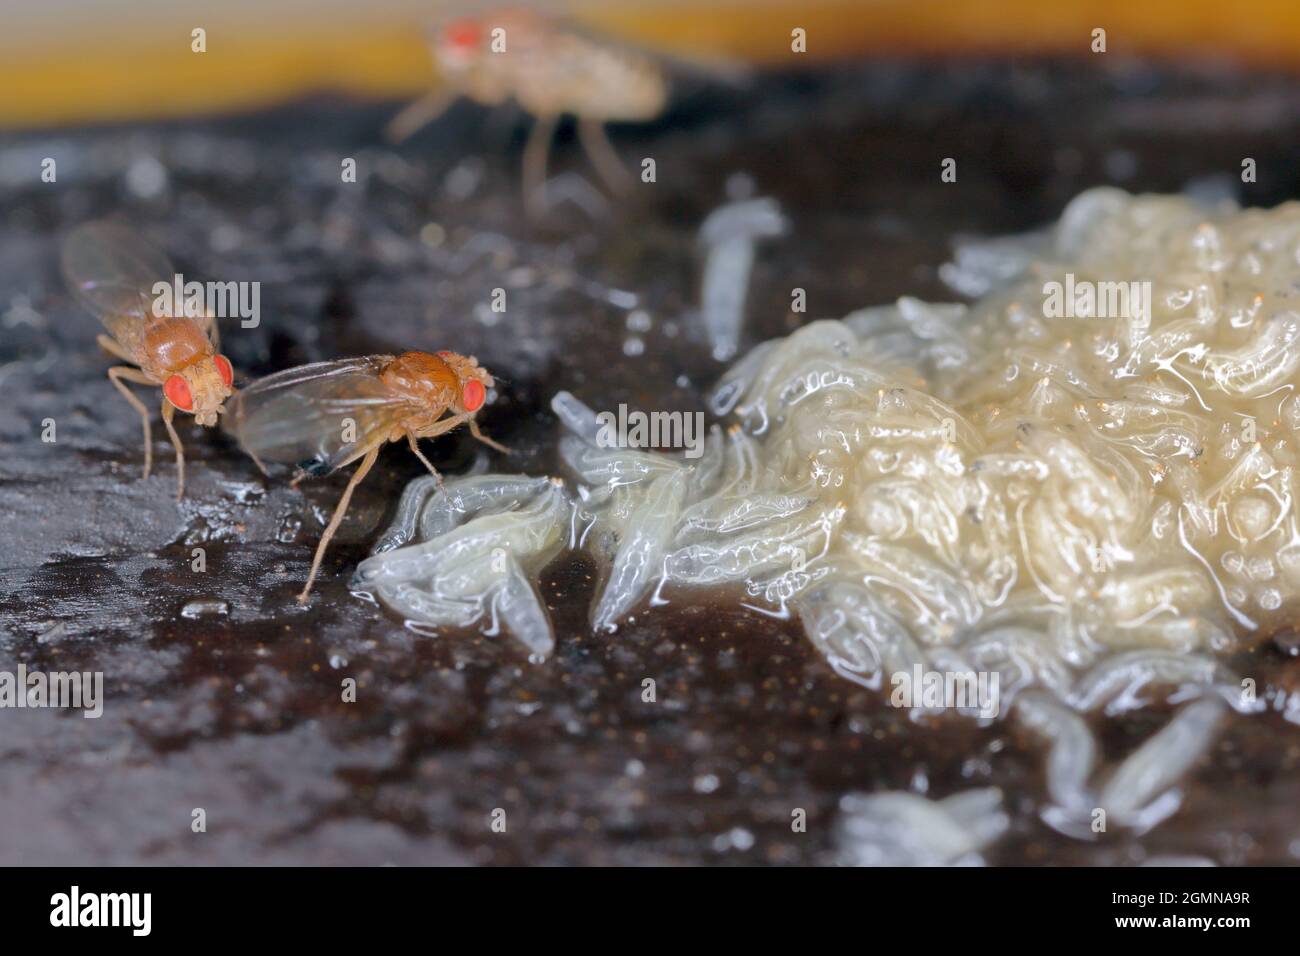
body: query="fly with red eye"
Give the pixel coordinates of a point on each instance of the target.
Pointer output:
(325, 416)
(551, 67)
(112, 271)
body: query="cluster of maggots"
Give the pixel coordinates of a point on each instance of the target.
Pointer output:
(320, 417)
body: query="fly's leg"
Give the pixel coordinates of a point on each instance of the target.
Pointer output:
(447, 424)
(169, 412)
(596, 144)
(535, 152)
(417, 115)
(119, 375)
(443, 426)
(339, 511)
(266, 474)
(474, 430)
(113, 348)
(502, 123)
(415, 450)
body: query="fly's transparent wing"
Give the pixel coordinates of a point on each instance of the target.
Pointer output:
(708, 68)
(319, 417)
(112, 271)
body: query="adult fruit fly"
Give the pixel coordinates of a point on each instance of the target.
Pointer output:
(551, 69)
(324, 416)
(113, 272)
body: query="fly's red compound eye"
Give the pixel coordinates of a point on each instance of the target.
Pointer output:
(224, 368)
(473, 395)
(178, 393)
(463, 35)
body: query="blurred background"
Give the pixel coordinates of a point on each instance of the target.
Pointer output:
(78, 61)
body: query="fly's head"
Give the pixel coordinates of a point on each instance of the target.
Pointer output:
(474, 381)
(201, 387)
(459, 46)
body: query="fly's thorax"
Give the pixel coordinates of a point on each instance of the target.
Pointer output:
(423, 379)
(485, 86)
(591, 80)
(418, 422)
(478, 81)
(434, 384)
(174, 343)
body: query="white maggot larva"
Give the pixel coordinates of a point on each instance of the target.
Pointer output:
(468, 553)
(904, 829)
(1072, 751)
(728, 235)
(1159, 763)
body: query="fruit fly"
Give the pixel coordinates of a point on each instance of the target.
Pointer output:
(324, 416)
(113, 271)
(550, 69)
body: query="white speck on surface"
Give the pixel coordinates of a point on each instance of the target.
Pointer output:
(639, 320)
(706, 783)
(146, 178)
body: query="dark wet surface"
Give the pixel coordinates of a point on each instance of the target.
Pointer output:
(223, 694)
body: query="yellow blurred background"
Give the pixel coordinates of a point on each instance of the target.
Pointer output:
(73, 61)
